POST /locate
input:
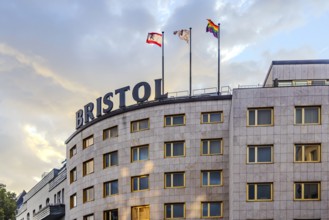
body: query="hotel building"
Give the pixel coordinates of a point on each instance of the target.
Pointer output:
(258, 153)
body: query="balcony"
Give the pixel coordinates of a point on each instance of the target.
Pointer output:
(50, 212)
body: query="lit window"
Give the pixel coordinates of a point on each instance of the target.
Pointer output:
(139, 153)
(175, 149)
(87, 142)
(174, 120)
(260, 117)
(308, 115)
(73, 151)
(307, 190)
(140, 213)
(88, 194)
(110, 159)
(174, 180)
(259, 191)
(260, 154)
(111, 188)
(111, 214)
(73, 201)
(139, 183)
(88, 167)
(174, 210)
(140, 125)
(211, 146)
(88, 217)
(110, 132)
(307, 153)
(211, 117)
(211, 177)
(212, 209)
(73, 175)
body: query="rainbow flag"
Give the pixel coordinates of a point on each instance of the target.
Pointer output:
(212, 28)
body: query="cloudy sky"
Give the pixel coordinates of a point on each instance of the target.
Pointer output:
(56, 56)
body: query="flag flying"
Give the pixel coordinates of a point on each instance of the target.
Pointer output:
(212, 28)
(183, 34)
(154, 38)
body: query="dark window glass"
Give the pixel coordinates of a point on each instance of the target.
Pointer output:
(264, 191)
(252, 117)
(264, 154)
(264, 117)
(252, 154)
(215, 209)
(251, 192)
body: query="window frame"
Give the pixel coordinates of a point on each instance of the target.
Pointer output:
(138, 125)
(172, 207)
(138, 153)
(172, 120)
(85, 141)
(208, 116)
(138, 207)
(72, 200)
(172, 149)
(85, 195)
(104, 188)
(109, 131)
(73, 151)
(85, 217)
(303, 114)
(208, 146)
(303, 188)
(303, 153)
(256, 116)
(208, 178)
(208, 204)
(172, 178)
(72, 171)
(110, 159)
(84, 167)
(256, 190)
(109, 211)
(256, 153)
(138, 184)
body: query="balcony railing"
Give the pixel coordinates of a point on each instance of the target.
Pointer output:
(50, 212)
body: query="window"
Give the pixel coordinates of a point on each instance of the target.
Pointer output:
(28, 216)
(73, 175)
(140, 125)
(174, 180)
(307, 153)
(175, 149)
(211, 147)
(211, 117)
(111, 214)
(73, 151)
(140, 213)
(307, 115)
(87, 142)
(260, 154)
(73, 201)
(307, 191)
(212, 209)
(110, 159)
(174, 210)
(139, 153)
(260, 117)
(110, 132)
(88, 194)
(174, 120)
(88, 217)
(111, 188)
(211, 177)
(139, 183)
(88, 167)
(259, 191)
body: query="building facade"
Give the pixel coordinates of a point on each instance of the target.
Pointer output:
(259, 153)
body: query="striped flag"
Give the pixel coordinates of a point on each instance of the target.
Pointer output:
(154, 38)
(212, 28)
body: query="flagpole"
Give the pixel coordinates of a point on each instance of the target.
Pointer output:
(218, 91)
(162, 62)
(190, 61)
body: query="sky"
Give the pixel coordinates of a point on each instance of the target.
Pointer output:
(57, 56)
